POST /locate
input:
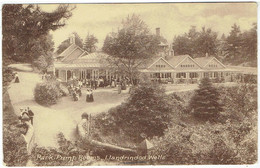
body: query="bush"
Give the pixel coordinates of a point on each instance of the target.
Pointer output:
(47, 93)
(14, 145)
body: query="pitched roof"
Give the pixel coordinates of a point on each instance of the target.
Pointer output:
(68, 50)
(202, 61)
(175, 60)
(71, 53)
(93, 57)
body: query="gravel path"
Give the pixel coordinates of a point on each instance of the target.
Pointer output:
(62, 117)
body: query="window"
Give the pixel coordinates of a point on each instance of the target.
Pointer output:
(181, 75)
(168, 75)
(160, 66)
(194, 75)
(206, 74)
(215, 74)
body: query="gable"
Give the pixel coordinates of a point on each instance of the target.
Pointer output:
(214, 64)
(160, 64)
(73, 55)
(188, 63)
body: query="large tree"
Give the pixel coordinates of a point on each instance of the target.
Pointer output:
(43, 49)
(234, 41)
(90, 43)
(23, 25)
(207, 42)
(249, 45)
(196, 44)
(131, 46)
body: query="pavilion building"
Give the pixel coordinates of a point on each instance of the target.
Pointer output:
(74, 62)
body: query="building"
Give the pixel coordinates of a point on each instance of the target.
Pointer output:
(184, 69)
(74, 62)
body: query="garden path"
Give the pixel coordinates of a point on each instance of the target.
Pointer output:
(62, 117)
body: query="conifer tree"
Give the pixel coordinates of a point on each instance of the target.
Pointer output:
(205, 102)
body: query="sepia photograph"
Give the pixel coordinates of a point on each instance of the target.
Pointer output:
(116, 84)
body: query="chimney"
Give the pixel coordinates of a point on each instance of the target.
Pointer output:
(158, 31)
(72, 39)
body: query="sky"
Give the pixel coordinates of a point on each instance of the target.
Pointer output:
(172, 18)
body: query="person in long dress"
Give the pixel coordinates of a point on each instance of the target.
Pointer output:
(88, 96)
(91, 96)
(16, 78)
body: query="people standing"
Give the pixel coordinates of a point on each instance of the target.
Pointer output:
(31, 114)
(83, 126)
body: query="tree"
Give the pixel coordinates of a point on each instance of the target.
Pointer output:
(181, 45)
(131, 46)
(43, 49)
(196, 44)
(89, 43)
(146, 111)
(249, 45)
(66, 43)
(25, 24)
(205, 102)
(233, 48)
(207, 42)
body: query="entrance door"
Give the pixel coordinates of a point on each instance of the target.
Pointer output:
(69, 74)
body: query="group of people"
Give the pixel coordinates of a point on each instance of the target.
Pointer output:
(92, 83)
(75, 91)
(26, 118)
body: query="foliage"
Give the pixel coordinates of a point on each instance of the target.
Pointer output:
(47, 93)
(196, 43)
(66, 43)
(90, 43)
(43, 50)
(131, 46)
(24, 27)
(14, 145)
(205, 102)
(67, 154)
(234, 141)
(235, 48)
(146, 112)
(7, 75)
(207, 144)
(239, 101)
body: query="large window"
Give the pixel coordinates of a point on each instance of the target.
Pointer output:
(194, 75)
(181, 75)
(206, 74)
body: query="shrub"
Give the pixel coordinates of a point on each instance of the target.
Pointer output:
(7, 76)
(147, 111)
(47, 93)
(205, 102)
(14, 145)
